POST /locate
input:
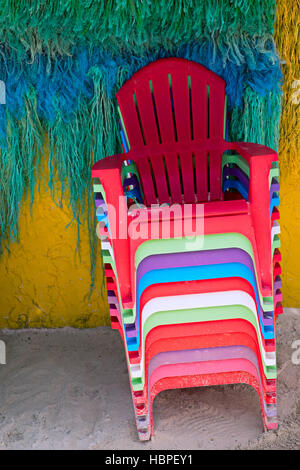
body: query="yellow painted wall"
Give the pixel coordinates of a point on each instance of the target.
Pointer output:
(43, 284)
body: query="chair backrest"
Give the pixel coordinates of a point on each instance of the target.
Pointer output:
(167, 108)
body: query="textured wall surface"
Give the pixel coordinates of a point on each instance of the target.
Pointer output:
(42, 283)
(287, 38)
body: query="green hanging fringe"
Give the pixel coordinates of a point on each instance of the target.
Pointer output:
(251, 123)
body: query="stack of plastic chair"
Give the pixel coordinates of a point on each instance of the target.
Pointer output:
(189, 236)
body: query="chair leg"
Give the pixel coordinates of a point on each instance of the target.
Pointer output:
(143, 425)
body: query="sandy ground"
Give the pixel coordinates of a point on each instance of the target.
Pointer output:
(68, 389)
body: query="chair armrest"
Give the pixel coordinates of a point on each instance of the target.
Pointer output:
(108, 171)
(260, 159)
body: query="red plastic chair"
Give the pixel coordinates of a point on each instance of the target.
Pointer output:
(173, 112)
(227, 376)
